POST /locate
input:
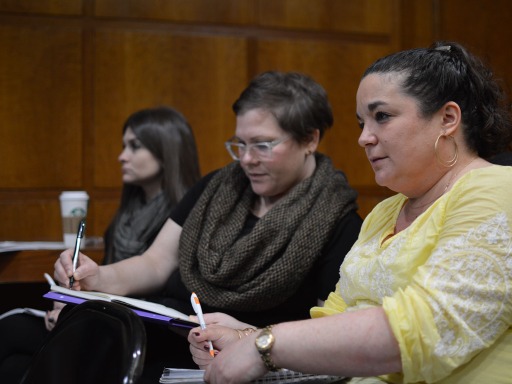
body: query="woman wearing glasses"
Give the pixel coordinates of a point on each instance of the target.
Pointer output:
(261, 239)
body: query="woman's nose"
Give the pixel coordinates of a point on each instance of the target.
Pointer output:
(248, 157)
(123, 156)
(366, 138)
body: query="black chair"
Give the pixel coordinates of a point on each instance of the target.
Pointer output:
(94, 342)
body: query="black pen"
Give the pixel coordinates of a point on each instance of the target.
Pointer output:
(79, 237)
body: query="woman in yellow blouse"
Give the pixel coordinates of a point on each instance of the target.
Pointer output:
(425, 294)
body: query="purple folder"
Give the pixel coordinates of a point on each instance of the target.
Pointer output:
(148, 316)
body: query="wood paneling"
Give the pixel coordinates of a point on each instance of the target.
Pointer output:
(27, 218)
(483, 26)
(419, 23)
(352, 16)
(55, 7)
(73, 70)
(199, 75)
(183, 11)
(101, 212)
(41, 130)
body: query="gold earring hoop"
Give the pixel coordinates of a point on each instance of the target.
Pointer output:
(446, 163)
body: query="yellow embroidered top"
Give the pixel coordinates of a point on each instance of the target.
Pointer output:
(445, 282)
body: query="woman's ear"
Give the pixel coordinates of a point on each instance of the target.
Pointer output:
(451, 116)
(312, 145)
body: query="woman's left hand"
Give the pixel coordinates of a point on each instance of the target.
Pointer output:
(50, 318)
(239, 362)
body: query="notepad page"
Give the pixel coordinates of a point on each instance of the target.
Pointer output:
(195, 376)
(129, 301)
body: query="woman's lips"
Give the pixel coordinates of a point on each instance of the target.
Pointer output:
(255, 176)
(375, 160)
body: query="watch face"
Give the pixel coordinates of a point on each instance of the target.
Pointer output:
(264, 341)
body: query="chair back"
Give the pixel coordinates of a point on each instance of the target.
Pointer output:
(93, 342)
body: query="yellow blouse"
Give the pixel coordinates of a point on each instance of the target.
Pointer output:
(445, 282)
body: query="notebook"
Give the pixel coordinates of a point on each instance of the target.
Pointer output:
(147, 310)
(195, 376)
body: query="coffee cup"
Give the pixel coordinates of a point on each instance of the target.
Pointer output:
(73, 207)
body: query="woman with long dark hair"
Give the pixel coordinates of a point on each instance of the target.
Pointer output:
(159, 164)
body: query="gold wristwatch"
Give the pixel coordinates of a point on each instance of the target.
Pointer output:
(264, 343)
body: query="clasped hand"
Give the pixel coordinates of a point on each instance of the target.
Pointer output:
(221, 330)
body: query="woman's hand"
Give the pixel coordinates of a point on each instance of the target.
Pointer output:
(239, 362)
(51, 317)
(86, 275)
(220, 337)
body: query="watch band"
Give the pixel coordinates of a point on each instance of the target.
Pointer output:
(265, 354)
(269, 364)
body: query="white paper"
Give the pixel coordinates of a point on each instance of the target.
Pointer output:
(28, 311)
(195, 376)
(11, 246)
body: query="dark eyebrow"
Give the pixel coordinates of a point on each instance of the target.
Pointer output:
(373, 106)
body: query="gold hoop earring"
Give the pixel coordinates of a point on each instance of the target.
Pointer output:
(446, 163)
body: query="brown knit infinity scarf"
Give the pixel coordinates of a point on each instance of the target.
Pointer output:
(262, 269)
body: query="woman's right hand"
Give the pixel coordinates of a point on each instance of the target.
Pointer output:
(86, 275)
(220, 337)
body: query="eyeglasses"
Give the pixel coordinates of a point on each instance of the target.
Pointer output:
(262, 150)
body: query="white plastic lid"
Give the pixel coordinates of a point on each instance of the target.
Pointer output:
(74, 195)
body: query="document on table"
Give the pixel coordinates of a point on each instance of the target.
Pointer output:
(195, 376)
(11, 246)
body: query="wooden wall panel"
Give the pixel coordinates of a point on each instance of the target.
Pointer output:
(36, 216)
(73, 70)
(485, 27)
(85, 75)
(199, 75)
(55, 7)
(28, 218)
(352, 16)
(41, 102)
(418, 23)
(101, 212)
(209, 11)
